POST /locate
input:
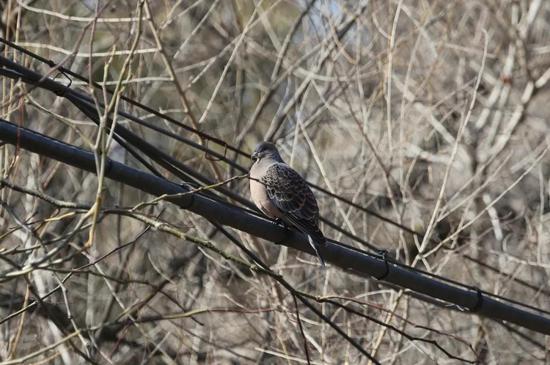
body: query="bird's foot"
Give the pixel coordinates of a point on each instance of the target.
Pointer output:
(287, 228)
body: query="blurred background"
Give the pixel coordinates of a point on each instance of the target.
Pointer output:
(433, 114)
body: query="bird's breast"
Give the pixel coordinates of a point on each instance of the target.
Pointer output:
(259, 196)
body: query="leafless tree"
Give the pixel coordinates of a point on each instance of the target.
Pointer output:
(432, 114)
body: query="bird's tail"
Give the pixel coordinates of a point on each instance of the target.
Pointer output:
(315, 241)
(314, 235)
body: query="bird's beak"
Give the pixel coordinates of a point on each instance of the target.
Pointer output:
(254, 156)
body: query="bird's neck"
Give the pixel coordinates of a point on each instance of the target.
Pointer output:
(266, 163)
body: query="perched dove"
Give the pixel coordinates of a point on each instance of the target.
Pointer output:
(282, 194)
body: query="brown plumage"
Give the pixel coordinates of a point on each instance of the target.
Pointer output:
(281, 193)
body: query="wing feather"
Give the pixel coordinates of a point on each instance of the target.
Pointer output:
(291, 195)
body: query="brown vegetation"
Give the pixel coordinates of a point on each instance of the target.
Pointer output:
(431, 113)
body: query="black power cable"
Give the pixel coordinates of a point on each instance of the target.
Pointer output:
(348, 259)
(177, 168)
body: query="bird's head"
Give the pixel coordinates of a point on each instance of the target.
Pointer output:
(266, 150)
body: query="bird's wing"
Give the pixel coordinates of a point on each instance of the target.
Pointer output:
(292, 196)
